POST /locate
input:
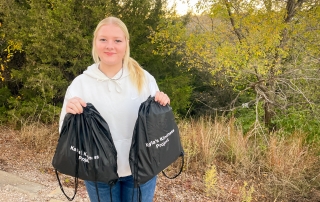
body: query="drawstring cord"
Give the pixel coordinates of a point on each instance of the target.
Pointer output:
(75, 186)
(76, 178)
(116, 83)
(181, 168)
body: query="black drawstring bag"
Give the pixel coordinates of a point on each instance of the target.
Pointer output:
(85, 149)
(155, 143)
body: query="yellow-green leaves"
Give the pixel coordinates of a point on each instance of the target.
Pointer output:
(251, 44)
(9, 49)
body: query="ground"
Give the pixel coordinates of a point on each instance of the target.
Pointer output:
(35, 166)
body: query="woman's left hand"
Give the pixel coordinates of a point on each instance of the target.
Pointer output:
(162, 98)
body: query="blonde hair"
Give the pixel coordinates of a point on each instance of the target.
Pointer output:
(136, 72)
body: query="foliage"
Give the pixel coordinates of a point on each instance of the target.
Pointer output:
(299, 120)
(266, 48)
(8, 50)
(248, 114)
(34, 109)
(55, 39)
(179, 89)
(4, 96)
(265, 42)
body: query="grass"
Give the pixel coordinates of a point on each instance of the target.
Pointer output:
(234, 166)
(39, 137)
(264, 167)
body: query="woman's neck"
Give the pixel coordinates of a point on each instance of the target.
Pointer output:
(110, 71)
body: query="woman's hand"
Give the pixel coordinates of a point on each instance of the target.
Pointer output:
(162, 98)
(75, 105)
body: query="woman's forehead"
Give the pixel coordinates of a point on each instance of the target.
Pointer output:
(110, 30)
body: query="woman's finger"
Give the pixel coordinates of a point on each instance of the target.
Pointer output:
(162, 98)
(75, 105)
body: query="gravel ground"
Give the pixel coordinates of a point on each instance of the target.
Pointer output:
(36, 167)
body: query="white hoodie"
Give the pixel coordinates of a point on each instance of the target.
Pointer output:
(117, 101)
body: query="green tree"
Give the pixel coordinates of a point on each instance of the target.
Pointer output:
(265, 50)
(56, 39)
(267, 44)
(179, 37)
(10, 51)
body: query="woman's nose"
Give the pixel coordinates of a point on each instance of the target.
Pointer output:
(109, 45)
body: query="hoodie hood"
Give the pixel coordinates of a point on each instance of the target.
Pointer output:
(94, 72)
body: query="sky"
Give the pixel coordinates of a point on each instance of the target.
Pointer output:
(182, 5)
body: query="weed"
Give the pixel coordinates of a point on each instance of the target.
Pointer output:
(246, 193)
(210, 180)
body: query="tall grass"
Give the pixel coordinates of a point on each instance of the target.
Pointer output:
(39, 137)
(201, 140)
(264, 167)
(39, 130)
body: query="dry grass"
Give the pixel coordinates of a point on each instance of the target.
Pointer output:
(289, 156)
(263, 167)
(39, 137)
(201, 140)
(290, 162)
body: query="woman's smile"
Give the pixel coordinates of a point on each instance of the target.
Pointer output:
(110, 53)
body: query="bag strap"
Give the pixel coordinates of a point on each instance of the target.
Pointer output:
(76, 178)
(61, 187)
(182, 156)
(139, 194)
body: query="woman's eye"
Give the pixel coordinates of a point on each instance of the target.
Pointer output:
(102, 40)
(118, 41)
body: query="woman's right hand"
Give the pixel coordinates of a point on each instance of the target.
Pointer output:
(75, 105)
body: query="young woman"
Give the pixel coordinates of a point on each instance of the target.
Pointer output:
(116, 85)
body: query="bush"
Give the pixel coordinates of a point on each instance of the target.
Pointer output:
(34, 110)
(298, 120)
(4, 96)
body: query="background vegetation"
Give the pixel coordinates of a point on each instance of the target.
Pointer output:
(243, 77)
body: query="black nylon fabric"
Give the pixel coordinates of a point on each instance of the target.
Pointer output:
(155, 143)
(85, 148)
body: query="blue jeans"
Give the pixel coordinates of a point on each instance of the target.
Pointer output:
(122, 191)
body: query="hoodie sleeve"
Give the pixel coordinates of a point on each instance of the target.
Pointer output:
(152, 84)
(63, 110)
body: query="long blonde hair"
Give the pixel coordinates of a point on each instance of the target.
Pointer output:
(136, 72)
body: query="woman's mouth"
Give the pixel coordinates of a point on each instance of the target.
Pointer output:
(109, 54)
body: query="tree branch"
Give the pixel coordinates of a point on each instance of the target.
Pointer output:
(236, 30)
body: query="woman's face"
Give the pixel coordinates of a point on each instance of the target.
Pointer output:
(111, 45)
